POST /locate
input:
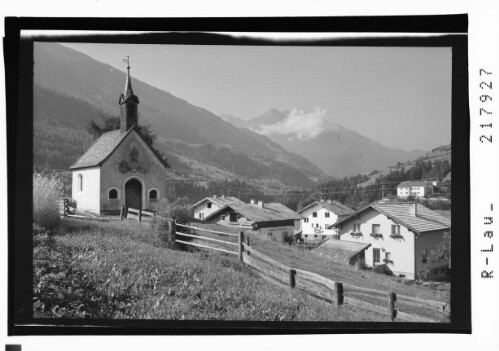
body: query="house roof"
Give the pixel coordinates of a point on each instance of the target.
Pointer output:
(336, 207)
(426, 219)
(104, 146)
(252, 212)
(340, 250)
(220, 201)
(414, 183)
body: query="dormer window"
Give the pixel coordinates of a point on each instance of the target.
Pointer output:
(208, 205)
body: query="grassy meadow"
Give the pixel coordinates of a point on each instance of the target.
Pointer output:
(123, 270)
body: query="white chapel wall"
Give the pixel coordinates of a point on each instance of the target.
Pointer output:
(87, 196)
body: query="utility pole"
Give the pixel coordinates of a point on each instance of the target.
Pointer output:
(382, 191)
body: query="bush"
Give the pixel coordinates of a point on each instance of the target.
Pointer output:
(47, 188)
(179, 211)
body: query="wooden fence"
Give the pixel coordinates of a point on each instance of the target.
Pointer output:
(67, 209)
(395, 306)
(137, 214)
(173, 233)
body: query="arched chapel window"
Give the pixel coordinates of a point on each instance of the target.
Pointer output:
(153, 194)
(113, 194)
(80, 181)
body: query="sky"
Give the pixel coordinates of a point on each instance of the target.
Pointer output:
(397, 96)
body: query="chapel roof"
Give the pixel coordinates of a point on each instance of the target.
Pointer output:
(104, 146)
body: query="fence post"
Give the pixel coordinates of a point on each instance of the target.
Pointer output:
(241, 248)
(292, 275)
(172, 230)
(338, 287)
(391, 305)
(121, 213)
(140, 215)
(66, 208)
(247, 243)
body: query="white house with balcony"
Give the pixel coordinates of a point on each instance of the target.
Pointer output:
(318, 218)
(401, 236)
(416, 189)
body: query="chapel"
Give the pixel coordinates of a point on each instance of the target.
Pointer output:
(120, 167)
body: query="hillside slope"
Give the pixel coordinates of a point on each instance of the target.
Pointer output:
(441, 154)
(71, 74)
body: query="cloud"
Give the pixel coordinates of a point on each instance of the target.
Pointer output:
(302, 125)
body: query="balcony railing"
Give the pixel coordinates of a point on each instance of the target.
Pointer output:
(356, 234)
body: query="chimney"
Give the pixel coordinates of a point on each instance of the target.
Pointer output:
(329, 201)
(260, 204)
(413, 209)
(253, 201)
(222, 196)
(214, 196)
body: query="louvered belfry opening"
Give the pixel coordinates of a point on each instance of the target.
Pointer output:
(128, 102)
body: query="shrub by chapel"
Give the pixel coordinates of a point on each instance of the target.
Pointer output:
(120, 168)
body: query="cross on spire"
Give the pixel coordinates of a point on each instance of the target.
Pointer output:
(128, 85)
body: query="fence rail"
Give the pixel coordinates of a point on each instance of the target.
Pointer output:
(205, 230)
(137, 214)
(314, 284)
(173, 233)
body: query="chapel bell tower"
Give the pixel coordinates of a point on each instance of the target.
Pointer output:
(128, 104)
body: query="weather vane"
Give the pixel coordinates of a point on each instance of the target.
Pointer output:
(127, 61)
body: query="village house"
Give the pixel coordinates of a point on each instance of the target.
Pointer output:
(270, 220)
(208, 205)
(319, 217)
(120, 168)
(415, 188)
(401, 235)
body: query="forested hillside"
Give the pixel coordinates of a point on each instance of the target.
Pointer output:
(59, 134)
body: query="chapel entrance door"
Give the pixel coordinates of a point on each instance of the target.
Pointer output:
(133, 194)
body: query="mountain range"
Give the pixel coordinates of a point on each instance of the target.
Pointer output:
(336, 150)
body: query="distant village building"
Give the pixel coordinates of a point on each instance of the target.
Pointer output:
(415, 189)
(401, 235)
(120, 168)
(319, 217)
(271, 220)
(208, 205)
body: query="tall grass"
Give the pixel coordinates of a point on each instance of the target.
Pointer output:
(47, 189)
